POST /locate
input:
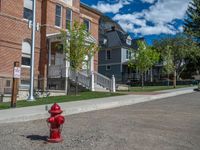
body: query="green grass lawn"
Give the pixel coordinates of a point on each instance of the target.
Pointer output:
(60, 99)
(154, 88)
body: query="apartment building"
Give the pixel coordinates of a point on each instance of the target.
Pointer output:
(15, 39)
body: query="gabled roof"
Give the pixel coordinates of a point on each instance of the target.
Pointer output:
(91, 8)
(116, 38)
(105, 19)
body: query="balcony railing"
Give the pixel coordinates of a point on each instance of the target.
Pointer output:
(56, 71)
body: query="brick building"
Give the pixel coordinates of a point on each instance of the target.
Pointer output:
(15, 36)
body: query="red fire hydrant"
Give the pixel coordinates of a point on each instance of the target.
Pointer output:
(56, 121)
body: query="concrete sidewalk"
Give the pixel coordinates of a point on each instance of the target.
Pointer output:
(39, 112)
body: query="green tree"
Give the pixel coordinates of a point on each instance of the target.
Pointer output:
(192, 21)
(143, 59)
(192, 28)
(180, 49)
(77, 47)
(168, 62)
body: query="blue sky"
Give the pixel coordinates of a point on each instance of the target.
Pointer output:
(151, 19)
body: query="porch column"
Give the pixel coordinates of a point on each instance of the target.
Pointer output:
(92, 87)
(67, 69)
(92, 81)
(113, 84)
(92, 64)
(49, 53)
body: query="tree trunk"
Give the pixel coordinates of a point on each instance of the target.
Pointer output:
(167, 79)
(142, 80)
(151, 75)
(174, 82)
(76, 90)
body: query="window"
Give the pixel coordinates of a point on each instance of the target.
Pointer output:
(87, 24)
(108, 54)
(58, 15)
(28, 12)
(25, 83)
(68, 19)
(128, 40)
(108, 67)
(7, 83)
(128, 54)
(26, 54)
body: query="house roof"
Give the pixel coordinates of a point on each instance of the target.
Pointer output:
(91, 8)
(118, 38)
(105, 19)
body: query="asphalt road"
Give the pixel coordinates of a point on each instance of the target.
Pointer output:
(167, 124)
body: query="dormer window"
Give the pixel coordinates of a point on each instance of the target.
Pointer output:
(128, 40)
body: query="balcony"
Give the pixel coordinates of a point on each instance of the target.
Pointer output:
(57, 71)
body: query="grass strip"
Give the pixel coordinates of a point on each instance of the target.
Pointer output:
(60, 99)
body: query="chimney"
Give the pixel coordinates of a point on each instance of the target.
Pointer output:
(113, 28)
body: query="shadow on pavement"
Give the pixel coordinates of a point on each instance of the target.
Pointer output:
(37, 138)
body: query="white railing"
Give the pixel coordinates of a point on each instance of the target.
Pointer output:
(103, 81)
(56, 71)
(83, 79)
(87, 81)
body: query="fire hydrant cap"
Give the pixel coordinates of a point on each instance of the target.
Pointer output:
(55, 109)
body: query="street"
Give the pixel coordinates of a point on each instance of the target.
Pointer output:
(166, 124)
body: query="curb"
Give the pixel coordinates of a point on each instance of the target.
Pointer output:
(38, 112)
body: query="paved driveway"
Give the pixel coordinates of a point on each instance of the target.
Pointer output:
(167, 124)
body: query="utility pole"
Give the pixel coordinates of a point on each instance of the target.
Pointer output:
(31, 97)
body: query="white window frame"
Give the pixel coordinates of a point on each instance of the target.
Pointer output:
(89, 27)
(128, 54)
(26, 55)
(70, 18)
(128, 40)
(29, 7)
(60, 16)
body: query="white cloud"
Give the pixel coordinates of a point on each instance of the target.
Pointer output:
(166, 11)
(148, 1)
(157, 29)
(161, 16)
(131, 19)
(111, 8)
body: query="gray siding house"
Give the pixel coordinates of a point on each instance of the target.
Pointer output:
(116, 49)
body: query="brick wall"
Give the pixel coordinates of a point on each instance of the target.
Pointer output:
(94, 20)
(14, 29)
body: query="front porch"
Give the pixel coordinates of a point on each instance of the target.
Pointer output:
(60, 75)
(58, 70)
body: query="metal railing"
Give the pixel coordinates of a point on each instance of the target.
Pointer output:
(83, 79)
(56, 71)
(102, 80)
